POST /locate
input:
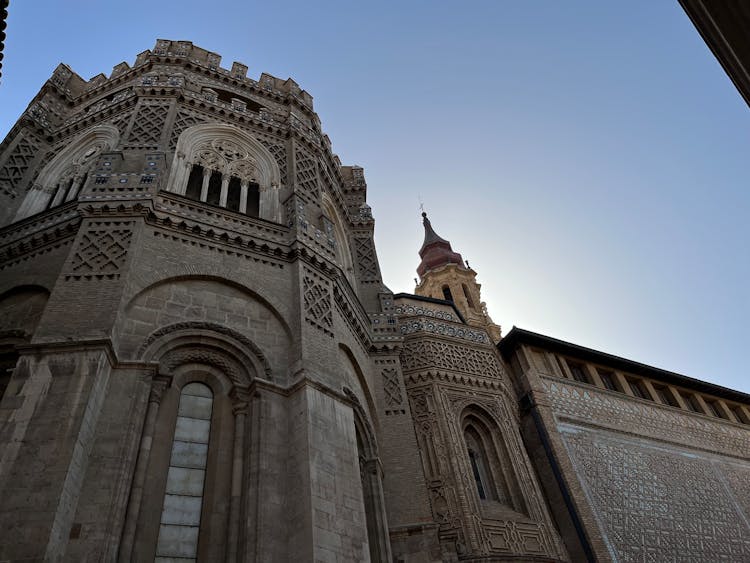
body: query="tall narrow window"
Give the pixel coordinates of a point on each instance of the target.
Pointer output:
(195, 182)
(183, 499)
(253, 200)
(447, 295)
(479, 465)
(233, 194)
(214, 188)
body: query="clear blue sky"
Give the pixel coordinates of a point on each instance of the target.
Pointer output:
(589, 158)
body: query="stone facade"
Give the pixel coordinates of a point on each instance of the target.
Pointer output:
(200, 361)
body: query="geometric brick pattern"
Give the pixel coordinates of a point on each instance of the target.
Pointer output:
(279, 153)
(12, 172)
(183, 120)
(392, 388)
(586, 403)
(368, 265)
(101, 254)
(423, 354)
(307, 172)
(657, 504)
(121, 122)
(149, 124)
(317, 301)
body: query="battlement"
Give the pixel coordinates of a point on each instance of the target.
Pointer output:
(176, 51)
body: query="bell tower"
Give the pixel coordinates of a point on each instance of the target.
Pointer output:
(443, 274)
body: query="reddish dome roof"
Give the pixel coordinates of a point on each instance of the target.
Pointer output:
(435, 251)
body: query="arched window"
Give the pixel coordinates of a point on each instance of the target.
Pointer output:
(447, 295)
(183, 498)
(487, 460)
(479, 465)
(223, 166)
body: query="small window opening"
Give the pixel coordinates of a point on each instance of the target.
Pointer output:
(715, 409)
(447, 295)
(665, 396)
(214, 188)
(253, 200)
(638, 389)
(233, 194)
(577, 371)
(692, 402)
(608, 379)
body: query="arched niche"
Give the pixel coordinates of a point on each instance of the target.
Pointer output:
(196, 422)
(219, 161)
(63, 177)
(335, 226)
(489, 463)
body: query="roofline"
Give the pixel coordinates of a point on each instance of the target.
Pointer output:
(431, 300)
(518, 336)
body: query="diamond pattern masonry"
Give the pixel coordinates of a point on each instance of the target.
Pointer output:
(101, 252)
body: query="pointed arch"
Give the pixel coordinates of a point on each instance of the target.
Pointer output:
(226, 152)
(488, 460)
(65, 174)
(335, 229)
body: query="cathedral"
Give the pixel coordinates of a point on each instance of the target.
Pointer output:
(200, 361)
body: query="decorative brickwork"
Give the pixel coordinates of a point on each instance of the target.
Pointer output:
(456, 331)
(392, 389)
(149, 123)
(183, 120)
(122, 121)
(317, 301)
(307, 172)
(657, 504)
(424, 311)
(586, 403)
(366, 261)
(425, 354)
(18, 162)
(101, 252)
(279, 153)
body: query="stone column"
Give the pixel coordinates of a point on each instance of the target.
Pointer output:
(206, 178)
(181, 174)
(224, 190)
(59, 196)
(243, 196)
(139, 477)
(240, 411)
(74, 188)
